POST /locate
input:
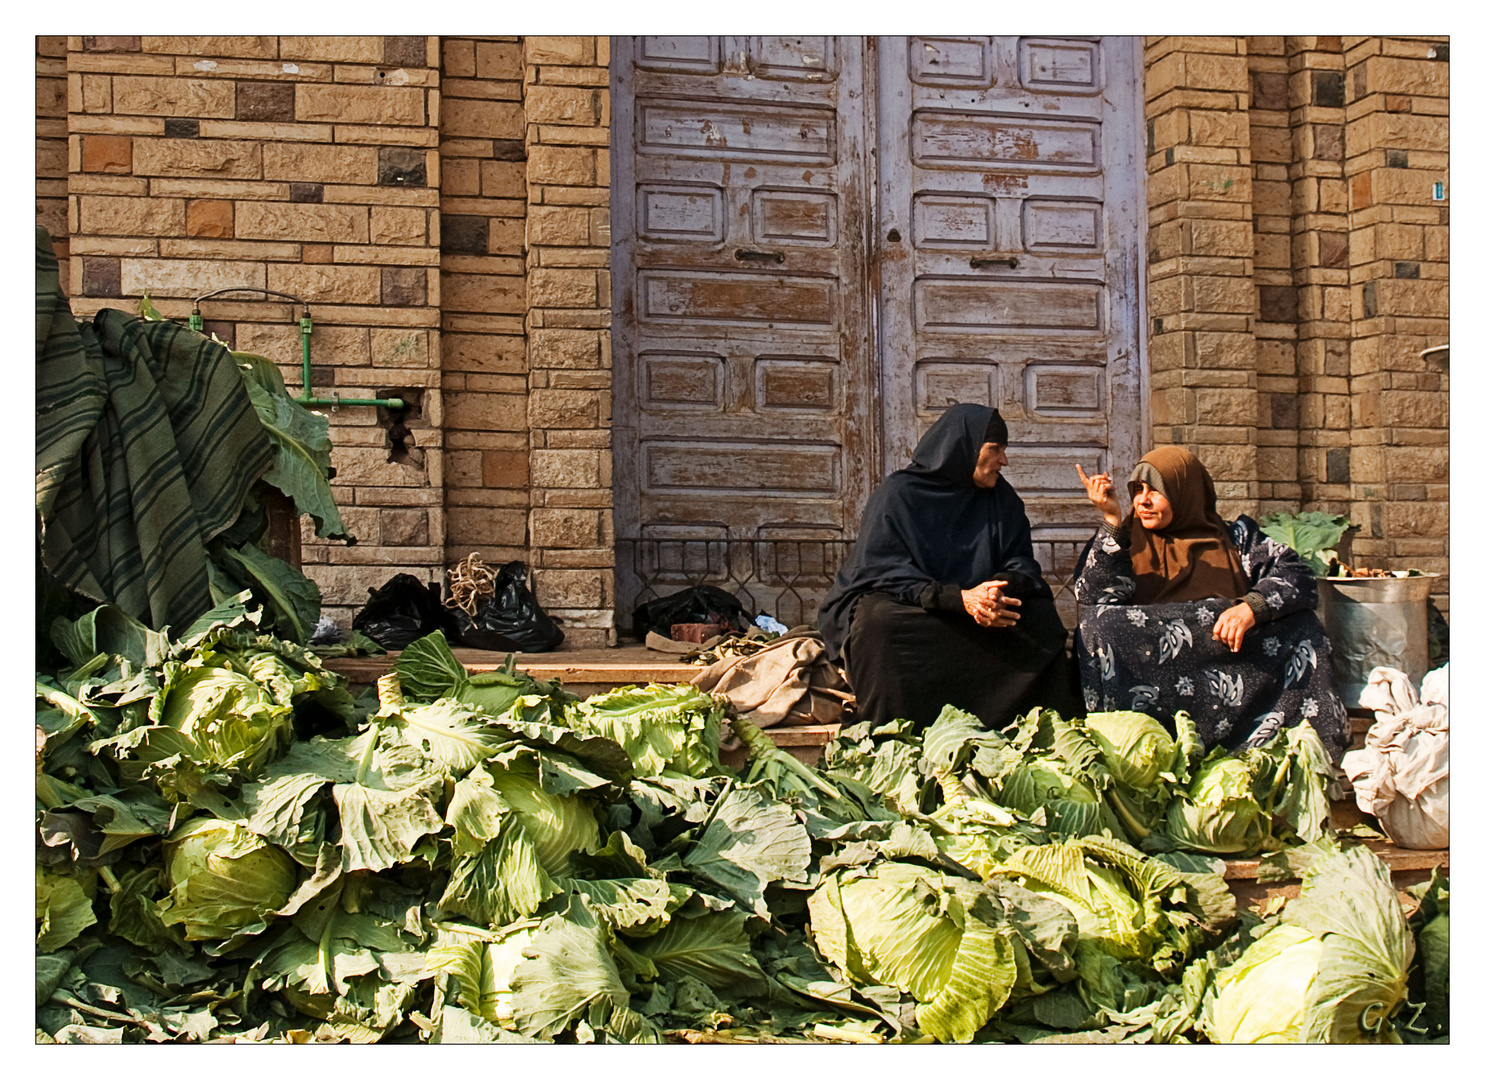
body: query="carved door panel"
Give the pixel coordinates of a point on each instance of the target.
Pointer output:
(742, 376)
(1010, 246)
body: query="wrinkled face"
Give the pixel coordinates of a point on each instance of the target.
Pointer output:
(1152, 508)
(989, 464)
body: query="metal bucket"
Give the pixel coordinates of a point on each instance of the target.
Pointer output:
(1375, 622)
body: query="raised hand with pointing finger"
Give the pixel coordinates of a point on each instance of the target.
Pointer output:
(1101, 493)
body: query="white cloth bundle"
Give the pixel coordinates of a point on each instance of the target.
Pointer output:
(1401, 775)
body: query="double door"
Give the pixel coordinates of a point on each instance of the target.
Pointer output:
(819, 243)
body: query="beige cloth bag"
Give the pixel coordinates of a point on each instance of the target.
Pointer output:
(788, 681)
(1401, 775)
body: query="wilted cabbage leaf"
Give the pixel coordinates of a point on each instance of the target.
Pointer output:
(662, 728)
(64, 909)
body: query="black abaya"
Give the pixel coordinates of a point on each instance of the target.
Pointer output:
(895, 611)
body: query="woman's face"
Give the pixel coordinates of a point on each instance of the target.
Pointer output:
(989, 464)
(1152, 508)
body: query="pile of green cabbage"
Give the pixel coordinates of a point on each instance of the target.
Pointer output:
(233, 848)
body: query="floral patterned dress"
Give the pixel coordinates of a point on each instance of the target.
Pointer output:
(1161, 658)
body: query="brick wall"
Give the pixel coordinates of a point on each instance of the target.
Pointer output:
(306, 165)
(1204, 390)
(1298, 266)
(51, 144)
(569, 347)
(483, 204)
(1397, 148)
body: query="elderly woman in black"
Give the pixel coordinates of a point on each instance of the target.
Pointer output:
(942, 601)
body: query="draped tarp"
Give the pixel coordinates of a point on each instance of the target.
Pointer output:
(146, 448)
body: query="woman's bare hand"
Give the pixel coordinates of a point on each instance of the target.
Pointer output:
(1100, 489)
(988, 604)
(1233, 625)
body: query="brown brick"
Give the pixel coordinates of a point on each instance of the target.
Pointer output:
(458, 58)
(302, 221)
(209, 217)
(151, 96)
(109, 215)
(265, 101)
(463, 234)
(118, 44)
(404, 286)
(464, 118)
(344, 104)
(505, 468)
(108, 154)
(400, 166)
(101, 277)
(405, 51)
(1270, 90)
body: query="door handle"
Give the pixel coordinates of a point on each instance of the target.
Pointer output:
(980, 263)
(744, 255)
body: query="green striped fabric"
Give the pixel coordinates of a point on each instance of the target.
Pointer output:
(146, 448)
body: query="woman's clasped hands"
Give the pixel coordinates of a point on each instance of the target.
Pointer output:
(988, 604)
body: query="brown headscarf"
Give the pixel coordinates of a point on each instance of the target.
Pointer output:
(1192, 558)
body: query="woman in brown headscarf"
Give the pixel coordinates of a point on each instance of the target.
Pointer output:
(1179, 609)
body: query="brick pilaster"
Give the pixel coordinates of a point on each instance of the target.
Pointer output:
(1397, 149)
(569, 348)
(1203, 379)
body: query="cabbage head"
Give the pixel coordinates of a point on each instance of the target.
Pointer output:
(223, 880)
(1217, 812)
(1073, 807)
(1334, 970)
(483, 966)
(557, 825)
(232, 720)
(901, 925)
(1257, 995)
(1136, 748)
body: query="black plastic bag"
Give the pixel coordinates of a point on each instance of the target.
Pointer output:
(509, 621)
(698, 604)
(400, 612)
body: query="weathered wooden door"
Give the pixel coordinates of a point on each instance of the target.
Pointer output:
(820, 243)
(1009, 237)
(742, 376)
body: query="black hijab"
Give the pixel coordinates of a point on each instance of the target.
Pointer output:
(929, 523)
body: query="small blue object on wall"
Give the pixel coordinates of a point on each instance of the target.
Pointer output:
(1438, 190)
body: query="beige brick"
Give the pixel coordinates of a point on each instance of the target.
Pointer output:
(355, 50)
(108, 245)
(566, 408)
(484, 293)
(563, 225)
(384, 255)
(302, 221)
(1396, 75)
(381, 105)
(499, 59)
(563, 288)
(1218, 129)
(460, 176)
(330, 284)
(330, 345)
(568, 588)
(186, 277)
(219, 159)
(503, 179)
(562, 528)
(1414, 408)
(566, 468)
(464, 118)
(365, 466)
(212, 248)
(562, 105)
(487, 527)
(560, 50)
(385, 135)
(404, 528)
(240, 46)
(151, 96)
(1216, 294)
(398, 225)
(319, 164)
(399, 348)
(458, 58)
(117, 216)
(1406, 519)
(487, 412)
(561, 165)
